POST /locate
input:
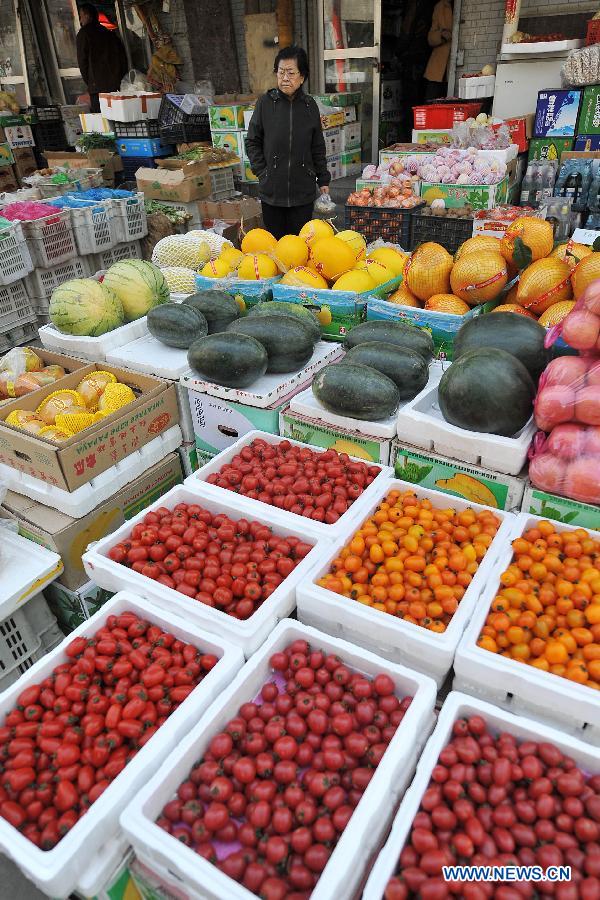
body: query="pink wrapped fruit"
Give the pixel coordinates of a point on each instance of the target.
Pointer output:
(568, 441)
(554, 405)
(581, 480)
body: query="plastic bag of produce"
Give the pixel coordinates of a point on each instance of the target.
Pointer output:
(567, 462)
(581, 328)
(569, 392)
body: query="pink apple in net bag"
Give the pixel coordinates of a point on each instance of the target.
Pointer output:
(568, 441)
(587, 405)
(581, 480)
(547, 472)
(554, 405)
(592, 441)
(591, 298)
(593, 374)
(570, 370)
(581, 329)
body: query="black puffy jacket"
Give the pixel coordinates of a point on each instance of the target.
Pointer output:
(286, 148)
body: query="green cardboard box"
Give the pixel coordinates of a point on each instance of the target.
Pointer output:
(346, 98)
(233, 141)
(310, 431)
(561, 509)
(549, 148)
(73, 608)
(589, 117)
(480, 196)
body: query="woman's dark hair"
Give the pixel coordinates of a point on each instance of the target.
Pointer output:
(90, 9)
(293, 52)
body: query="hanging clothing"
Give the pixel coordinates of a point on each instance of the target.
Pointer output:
(441, 22)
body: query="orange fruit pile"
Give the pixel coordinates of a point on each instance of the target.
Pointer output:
(413, 560)
(547, 611)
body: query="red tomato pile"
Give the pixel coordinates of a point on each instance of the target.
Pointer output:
(69, 736)
(228, 564)
(318, 486)
(494, 802)
(284, 776)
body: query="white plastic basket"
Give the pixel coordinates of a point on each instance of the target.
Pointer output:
(15, 307)
(41, 282)
(130, 220)
(26, 634)
(371, 817)
(380, 632)
(516, 686)
(248, 634)
(57, 872)
(19, 583)
(93, 226)
(15, 259)
(457, 706)
(51, 240)
(355, 511)
(222, 183)
(105, 259)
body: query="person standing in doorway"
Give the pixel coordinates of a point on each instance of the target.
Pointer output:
(100, 55)
(439, 37)
(286, 148)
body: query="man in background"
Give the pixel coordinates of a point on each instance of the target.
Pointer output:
(100, 55)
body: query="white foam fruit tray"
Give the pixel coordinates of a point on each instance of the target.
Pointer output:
(517, 686)
(92, 348)
(148, 355)
(420, 422)
(104, 866)
(197, 877)
(268, 389)
(381, 632)
(458, 706)
(26, 568)
(84, 499)
(217, 463)
(306, 404)
(57, 872)
(249, 634)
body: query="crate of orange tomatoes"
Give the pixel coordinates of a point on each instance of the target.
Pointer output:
(384, 212)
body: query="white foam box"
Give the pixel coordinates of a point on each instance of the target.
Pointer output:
(217, 463)
(441, 473)
(333, 141)
(249, 634)
(93, 348)
(84, 499)
(560, 509)
(195, 875)
(103, 878)
(57, 872)
(308, 430)
(385, 634)
(476, 87)
(516, 686)
(458, 706)
(420, 423)
(26, 569)
(350, 136)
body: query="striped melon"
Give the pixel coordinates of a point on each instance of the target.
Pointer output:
(139, 285)
(82, 306)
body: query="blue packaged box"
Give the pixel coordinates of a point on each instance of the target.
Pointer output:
(587, 142)
(556, 113)
(147, 147)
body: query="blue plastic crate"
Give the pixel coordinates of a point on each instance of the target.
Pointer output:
(146, 147)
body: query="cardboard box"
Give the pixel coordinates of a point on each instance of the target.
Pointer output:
(247, 173)
(332, 119)
(227, 114)
(560, 509)
(345, 98)
(107, 160)
(310, 431)
(188, 457)
(95, 123)
(73, 607)
(587, 142)
(391, 96)
(350, 115)
(440, 473)
(351, 162)
(549, 148)
(49, 358)
(69, 464)
(17, 135)
(480, 196)
(429, 136)
(350, 136)
(333, 141)
(8, 179)
(150, 147)
(25, 162)
(520, 128)
(6, 155)
(556, 113)
(190, 182)
(334, 166)
(233, 211)
(589, 120)
(233, 141)
(248, 113)
(69, 537)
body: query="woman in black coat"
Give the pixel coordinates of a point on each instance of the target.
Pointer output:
(286, 148)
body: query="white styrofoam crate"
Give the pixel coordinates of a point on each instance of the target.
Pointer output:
(92, 348)
(26, 567)
(385, 634)
(57, 872)
(476, 87)
(250, 633)
(104, 866)
(371, 817)
(420, 422)
(517, 686)
(306, 404)
(84, 499)
(458, 706)
(217, 463)
(147, 354)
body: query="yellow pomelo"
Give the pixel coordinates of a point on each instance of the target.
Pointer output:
(447, 303)
(390, 258)
(479, 276)
(356, 241)
(302, 276)
(255, 266)
(479, 242)
(290, 251)
(427, 272)
(544, 283)
(316, 229)
(584, 273)
(513, 308)
(379, 272)
(258, 240)
(556, 313)
(231, 256)
(537, 234)
(355, 280)
(332, 257)
(571, 253)
(403, 296)
(216, 268)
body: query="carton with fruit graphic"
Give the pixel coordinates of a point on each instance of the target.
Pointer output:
(301, 428)
(479, 196)
(561, 509)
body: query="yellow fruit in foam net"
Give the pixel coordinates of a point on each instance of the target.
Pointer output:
(447, 303)
(556, 313)
(427, 272)
(332, 257)
(255, 266)
(302, 276)
(536, 234)
(215, 268)
(316, 229)
(584, 273)
(544, 283)
(571, 252)
(392, 259)
(354, 240)
(479, 242)
(258, 240)
(357, 280)
(290, 251)
(403, 297)
(479, 276)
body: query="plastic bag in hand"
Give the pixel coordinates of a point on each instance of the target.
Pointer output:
(324, 205)
(135, 81)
